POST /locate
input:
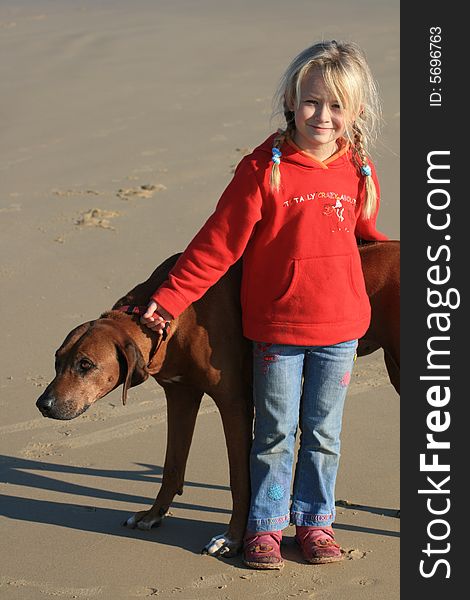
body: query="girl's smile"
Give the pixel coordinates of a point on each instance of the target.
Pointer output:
(319, 117)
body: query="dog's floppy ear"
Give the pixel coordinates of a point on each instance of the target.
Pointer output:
(136, 371)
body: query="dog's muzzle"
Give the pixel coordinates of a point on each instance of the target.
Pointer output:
(51, 407)
(45, 403)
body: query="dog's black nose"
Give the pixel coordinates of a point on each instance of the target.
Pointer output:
(45, 403)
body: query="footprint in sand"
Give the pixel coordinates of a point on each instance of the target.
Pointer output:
(71, 192)
(364, 581)
(11, 208)
(219, 581)
(143, 191)
(144, 592)
(244, 151)
(95, 217)
(355, 553)
(39, 588)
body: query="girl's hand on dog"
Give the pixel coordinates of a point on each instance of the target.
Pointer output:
(155, 317)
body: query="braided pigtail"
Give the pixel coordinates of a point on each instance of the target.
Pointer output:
(282, 136)
(362, 162)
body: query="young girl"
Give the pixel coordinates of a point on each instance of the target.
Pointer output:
(294, 209)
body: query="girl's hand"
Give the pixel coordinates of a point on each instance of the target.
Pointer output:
(155, 321)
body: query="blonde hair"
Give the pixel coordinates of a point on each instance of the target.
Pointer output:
(348, 78)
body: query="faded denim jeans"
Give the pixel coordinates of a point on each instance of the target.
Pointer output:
(297, 386)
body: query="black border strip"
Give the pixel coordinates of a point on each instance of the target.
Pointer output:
(435, 229)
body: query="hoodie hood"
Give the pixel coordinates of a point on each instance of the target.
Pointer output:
(292, 154)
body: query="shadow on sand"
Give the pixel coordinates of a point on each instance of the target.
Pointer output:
(190, 534)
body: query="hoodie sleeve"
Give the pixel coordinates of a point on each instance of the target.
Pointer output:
(217, 246)
(366, 228)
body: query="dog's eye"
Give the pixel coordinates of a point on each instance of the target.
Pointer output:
(85, 364)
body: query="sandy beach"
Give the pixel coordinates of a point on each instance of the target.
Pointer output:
(121, 125)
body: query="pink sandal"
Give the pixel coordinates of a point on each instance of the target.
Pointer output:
(318, 544)
(262, 550)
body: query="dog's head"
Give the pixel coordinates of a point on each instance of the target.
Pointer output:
(93, 360)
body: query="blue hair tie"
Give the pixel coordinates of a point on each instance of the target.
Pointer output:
(366, 170)
(276, 157)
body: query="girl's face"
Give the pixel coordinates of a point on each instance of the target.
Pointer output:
(319, 118)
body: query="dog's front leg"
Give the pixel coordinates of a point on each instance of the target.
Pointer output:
(182, 408)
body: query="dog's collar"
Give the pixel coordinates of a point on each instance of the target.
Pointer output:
(141, 310)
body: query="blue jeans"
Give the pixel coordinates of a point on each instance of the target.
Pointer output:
(306, 386)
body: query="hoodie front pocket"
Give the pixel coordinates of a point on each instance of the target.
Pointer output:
(292, 282)
(321, 290)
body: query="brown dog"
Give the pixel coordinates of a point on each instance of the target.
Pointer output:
(381, 267)
(205, 352)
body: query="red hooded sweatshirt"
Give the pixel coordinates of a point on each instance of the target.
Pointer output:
(302, 278)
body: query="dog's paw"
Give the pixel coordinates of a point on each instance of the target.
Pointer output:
(143, 520)
(222, 545)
